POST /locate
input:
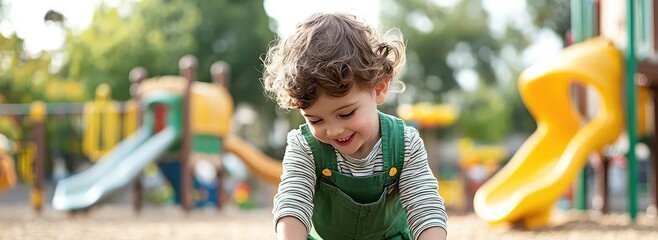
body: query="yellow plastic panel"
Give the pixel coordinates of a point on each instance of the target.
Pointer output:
(212, 109)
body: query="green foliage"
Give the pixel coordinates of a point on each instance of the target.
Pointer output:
(486, 115)
(22, 77)
(442, 42)
(238, 33)
(551, 14)
(432, 32)
(10, 129)
(155, 35)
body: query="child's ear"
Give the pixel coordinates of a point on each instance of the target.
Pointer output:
(381, 90)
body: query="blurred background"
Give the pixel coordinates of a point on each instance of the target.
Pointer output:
(463, 53)
(463, 61)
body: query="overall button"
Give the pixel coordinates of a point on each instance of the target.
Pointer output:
(393, 171)
(326, 172)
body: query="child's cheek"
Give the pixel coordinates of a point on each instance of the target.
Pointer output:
(316, 133)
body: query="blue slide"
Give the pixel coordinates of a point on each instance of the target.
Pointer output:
(114, 170)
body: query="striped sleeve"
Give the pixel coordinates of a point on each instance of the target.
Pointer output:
(419, 188)
(295, 192)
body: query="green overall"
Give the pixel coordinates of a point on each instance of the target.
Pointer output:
(347, 207)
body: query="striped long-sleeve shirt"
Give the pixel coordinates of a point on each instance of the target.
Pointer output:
(418, 187)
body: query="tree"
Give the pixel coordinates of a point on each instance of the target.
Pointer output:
(442, 44)
(22, 77)
(433, 35)
(554, 15)
(456, 43)
(238, 33)
(155, 34)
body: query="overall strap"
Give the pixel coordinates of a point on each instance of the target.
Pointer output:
(324, 155)
(392, 143)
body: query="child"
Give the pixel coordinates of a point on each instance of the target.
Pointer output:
(350, 172)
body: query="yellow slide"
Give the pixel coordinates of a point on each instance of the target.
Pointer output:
(259, 163)
(525, 190)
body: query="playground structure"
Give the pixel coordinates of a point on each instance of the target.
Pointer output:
(7, 173)
(427, 117)
(7, 168)
(29, 155)
(172, 122)
(542, 170)
(524, 191)
(476, 162)
(180, 116)
(101, 134)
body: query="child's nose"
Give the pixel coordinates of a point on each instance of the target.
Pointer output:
(334, 131)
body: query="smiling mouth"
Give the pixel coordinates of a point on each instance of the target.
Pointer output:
(344, 141)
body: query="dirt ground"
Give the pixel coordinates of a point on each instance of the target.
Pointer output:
(120, 222)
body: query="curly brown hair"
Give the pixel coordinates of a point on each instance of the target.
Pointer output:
(329, 53)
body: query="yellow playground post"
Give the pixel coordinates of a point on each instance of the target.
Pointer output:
(101, 120)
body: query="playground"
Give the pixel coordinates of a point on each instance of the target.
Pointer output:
(116, 209)
(119, 221)
(174, 162)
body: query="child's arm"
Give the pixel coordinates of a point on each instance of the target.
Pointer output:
(418, 190)
(289, 228)
(433, 233)
(293, 204)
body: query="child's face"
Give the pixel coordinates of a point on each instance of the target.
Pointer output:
(349, 123)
